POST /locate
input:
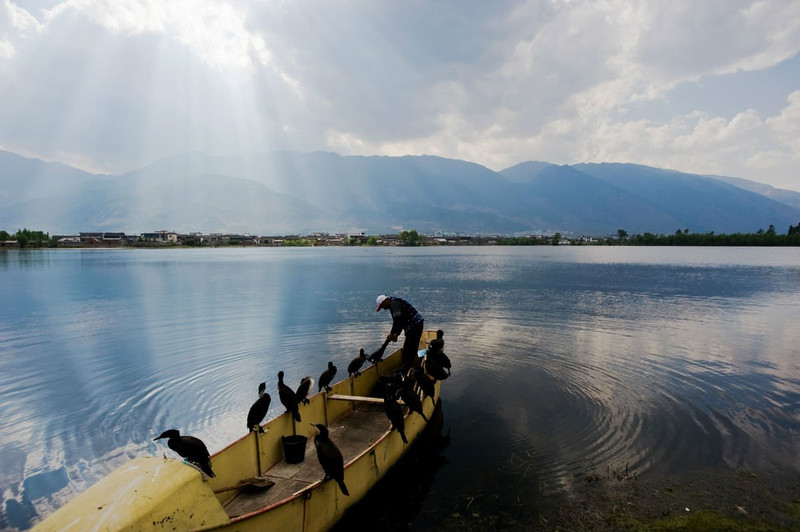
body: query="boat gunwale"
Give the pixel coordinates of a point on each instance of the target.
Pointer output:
(303, 492)
(307, 490)
(323, 393)
(218, 517)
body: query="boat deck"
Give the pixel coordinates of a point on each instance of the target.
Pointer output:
(351, 434)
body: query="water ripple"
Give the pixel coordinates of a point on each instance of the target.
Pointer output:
(564, 370)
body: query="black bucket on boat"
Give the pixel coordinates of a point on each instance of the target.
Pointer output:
(294, 448)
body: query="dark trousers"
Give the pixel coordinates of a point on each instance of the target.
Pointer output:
(411, 346)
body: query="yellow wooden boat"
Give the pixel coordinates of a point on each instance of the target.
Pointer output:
(255, 488)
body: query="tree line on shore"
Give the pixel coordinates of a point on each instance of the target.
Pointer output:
(770, 237)
(26, 238)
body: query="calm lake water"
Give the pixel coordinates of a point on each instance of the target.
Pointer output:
(568, 361)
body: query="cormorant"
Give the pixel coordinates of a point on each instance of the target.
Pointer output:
(437, 363)
(435, 369)
(288, 397)
(425, 383)
(259, 409)
(330, 457)
(437, 344)
(190, 448)
(392, 381)
(377, 356)
(355, 365)
(327, 377)
(411, 399)
(395, 414)
(303, 389)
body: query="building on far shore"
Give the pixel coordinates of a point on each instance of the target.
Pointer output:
(161, 237)
(94, 239)
(194, 239)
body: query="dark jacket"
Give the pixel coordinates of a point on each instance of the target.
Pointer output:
(404, 316)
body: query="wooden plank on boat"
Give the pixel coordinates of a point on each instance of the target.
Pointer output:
(255, 488)
(352, 434)
(358, 398)
(258, 483)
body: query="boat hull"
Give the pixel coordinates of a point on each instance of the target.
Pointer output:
(299, 499)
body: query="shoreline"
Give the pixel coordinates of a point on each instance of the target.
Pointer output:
(713, 499)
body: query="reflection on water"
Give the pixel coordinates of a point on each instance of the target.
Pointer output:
(399, 498)
(567, 362)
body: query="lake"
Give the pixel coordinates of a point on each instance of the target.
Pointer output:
(568, 361)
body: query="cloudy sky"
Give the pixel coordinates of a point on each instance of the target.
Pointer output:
(111, 85)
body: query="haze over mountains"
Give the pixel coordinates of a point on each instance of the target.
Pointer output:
(290, 192)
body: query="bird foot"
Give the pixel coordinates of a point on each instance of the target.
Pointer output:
(194, 465)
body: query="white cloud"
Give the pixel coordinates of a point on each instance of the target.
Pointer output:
(701, 143)
(784, 159)
(786, 126)
(18, 18)
(15, 24)
(215, 31)
(118, 16)
(6, 49)
(121, 83)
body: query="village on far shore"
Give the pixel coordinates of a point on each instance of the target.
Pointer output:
(26, 238)
(164, 238)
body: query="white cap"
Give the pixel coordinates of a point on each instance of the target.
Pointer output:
(380, 300)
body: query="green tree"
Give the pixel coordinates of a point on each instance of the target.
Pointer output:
(5, 236)
(556, 239)
(622, 234)
(298, 242)
(36, 238)
(410, 238)
(372, 241)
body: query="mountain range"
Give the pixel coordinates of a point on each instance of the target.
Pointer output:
(283, 192)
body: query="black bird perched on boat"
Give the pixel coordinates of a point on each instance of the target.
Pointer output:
(330, 457)
(190, 448)
(436, 362)
(392, 382)
(354, 366)
(395, 414)
(327, 377)
(437, 344)
(425, 383)
(435, 369)
(377, 356)
(259, 409)
(288, 397)
(303, 389)
(411, 399)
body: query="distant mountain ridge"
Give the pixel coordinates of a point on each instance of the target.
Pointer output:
(283, 192)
